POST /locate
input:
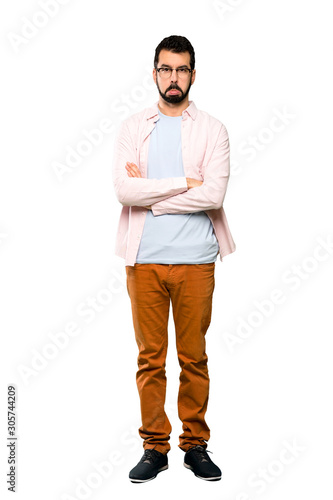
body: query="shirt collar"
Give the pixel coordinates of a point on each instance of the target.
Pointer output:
(191, 110)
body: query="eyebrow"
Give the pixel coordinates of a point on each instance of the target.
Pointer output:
(178, 67)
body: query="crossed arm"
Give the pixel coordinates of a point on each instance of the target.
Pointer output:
(174, 195)
(132, 189)
(133, 171)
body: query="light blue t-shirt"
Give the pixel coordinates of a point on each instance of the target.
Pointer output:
(173, 238)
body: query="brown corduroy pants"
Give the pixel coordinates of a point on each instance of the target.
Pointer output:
(190, 288)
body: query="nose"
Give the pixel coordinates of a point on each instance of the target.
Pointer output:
(174, 78)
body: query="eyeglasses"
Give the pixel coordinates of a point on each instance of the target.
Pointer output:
(182, 73)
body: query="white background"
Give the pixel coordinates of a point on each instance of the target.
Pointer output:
(271, 383)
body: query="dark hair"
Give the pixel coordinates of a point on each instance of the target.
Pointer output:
(177, 44)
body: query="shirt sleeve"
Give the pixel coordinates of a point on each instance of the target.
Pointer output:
(211, 193)
(139, 191)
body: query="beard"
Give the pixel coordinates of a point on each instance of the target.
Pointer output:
(174, 99)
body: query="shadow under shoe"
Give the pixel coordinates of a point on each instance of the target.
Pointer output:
(152, 462)
(197, 460)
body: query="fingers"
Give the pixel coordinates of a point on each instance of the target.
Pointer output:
(192, 183)
(132, 170)
(130, 173)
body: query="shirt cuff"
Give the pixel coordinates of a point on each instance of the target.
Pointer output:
(181, 184)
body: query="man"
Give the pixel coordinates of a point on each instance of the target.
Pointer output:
(170, 171)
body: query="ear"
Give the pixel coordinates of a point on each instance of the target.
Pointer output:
(154, 75)
(193, 76)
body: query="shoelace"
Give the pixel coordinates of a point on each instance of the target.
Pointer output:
(149, 456)
(202, 453)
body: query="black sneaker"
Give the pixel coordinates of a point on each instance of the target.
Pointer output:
(197, 460)
(151, 463)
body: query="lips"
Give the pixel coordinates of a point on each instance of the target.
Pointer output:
(174, 91)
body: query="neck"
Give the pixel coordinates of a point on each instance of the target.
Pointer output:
(172, 109)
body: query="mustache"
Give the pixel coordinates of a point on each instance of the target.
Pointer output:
(174, 88)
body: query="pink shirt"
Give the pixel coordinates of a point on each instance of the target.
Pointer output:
(206, 157)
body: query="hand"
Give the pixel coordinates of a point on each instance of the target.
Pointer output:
(132, 170)
(191, 183)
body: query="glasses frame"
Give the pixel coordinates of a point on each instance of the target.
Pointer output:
(189, 70)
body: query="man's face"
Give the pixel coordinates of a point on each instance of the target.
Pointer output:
(174, 82)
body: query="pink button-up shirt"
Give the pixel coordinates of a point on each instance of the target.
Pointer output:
(206, 157)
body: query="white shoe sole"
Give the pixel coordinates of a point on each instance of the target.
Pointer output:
(215, 478)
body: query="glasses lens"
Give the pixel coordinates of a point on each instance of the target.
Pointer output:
(182, 73)
(166, 73)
